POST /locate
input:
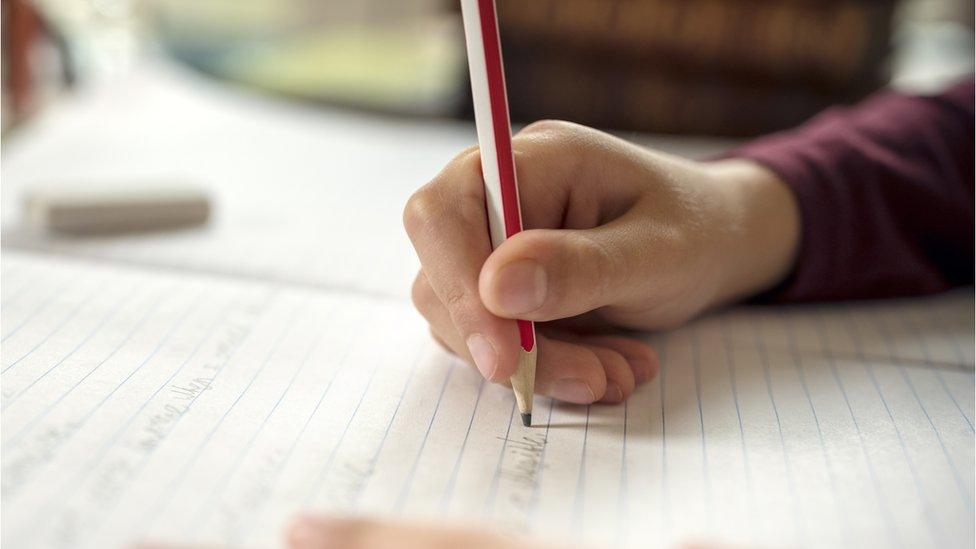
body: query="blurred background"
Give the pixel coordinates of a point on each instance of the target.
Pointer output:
(709, 67)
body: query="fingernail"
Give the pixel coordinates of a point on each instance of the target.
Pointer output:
(613, 393)
(520, 286)
(573, 390)
(484, 355)
(308, 533)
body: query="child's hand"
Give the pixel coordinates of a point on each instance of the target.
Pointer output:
(617, 237)
(313, 532)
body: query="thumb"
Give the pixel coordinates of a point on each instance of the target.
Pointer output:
(550, 274)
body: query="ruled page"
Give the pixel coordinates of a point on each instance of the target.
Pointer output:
(141, 405)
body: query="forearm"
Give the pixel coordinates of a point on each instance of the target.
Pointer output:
(884, 193)
(758, 246)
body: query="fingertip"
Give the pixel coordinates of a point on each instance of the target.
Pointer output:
(569, 372)
(613, 394)
(310, 532)
(653, 364)
(620, 378)
(643, 361)
(495, 350)
(640, 356)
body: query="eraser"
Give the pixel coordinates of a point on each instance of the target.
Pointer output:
(103, 209)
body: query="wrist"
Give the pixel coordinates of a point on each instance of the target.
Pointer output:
(758, 244)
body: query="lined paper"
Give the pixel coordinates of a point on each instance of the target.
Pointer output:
(165, 406)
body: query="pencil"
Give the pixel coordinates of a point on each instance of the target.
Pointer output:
(498, 164)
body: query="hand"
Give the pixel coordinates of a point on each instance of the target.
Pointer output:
(328, 533)
(322, 532)
(318, 532)
(616, 237)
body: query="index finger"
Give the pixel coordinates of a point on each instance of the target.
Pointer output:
(448, 226)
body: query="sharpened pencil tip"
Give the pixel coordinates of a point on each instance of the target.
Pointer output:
(527, 419)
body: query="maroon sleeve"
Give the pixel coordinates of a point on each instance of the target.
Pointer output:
(885, 192)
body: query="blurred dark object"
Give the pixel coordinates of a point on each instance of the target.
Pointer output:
(719, 67)
(27, 45)
(21, 26)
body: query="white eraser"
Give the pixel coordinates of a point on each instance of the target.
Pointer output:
(94, 209)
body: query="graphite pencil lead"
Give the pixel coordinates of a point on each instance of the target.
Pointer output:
(527, 419)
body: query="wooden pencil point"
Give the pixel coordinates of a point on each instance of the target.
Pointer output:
(523, 383)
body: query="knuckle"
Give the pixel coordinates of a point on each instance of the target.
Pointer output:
(555, 127)
(454, 298)
(467, 164)
(554, 141)
(456, 193)
(422, 294)
(604, 263)
(420, 210)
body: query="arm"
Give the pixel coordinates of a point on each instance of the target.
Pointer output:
(885, 192)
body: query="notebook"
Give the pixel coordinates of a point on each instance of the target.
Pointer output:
(165, 406)
(205, 386)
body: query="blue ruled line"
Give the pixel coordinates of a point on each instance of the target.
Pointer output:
(405, 491)
(57, 291)
(98, 327)
(581, 479)
(202, 515)
(386, 432)
(62, 324)
(160, 503)
(449, 489)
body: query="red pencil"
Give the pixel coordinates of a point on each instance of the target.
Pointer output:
(498, 163)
